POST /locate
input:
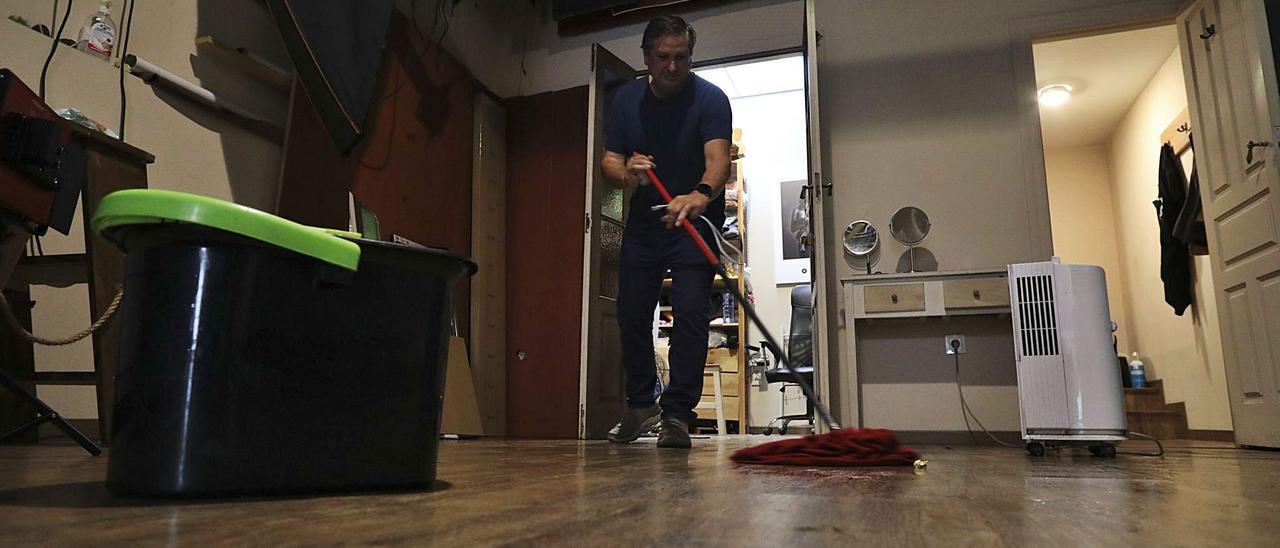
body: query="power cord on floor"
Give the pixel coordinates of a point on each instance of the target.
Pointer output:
(964, 405)
(964, 408)
(1159, 446)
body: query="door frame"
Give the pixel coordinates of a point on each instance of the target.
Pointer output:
(593, 159)
(1072, 24)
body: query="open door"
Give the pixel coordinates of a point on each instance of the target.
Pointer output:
(816, 191)
(1235, 110)
(601, 396)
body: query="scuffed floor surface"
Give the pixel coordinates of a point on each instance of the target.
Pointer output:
(597, 494)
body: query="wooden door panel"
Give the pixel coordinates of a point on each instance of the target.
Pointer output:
(1247, 231)
(601, 391)
(544, 254)
(1232, 92)
(1270, 311)
(1243, 341)
(1205, 103)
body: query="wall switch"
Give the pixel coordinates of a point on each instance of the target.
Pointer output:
(946, 339)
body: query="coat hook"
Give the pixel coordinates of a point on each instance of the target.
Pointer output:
(1184, 128)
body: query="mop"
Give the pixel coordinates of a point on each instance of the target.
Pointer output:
(840, 446)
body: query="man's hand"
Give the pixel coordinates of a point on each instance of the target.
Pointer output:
(637, 166)
(686, 206)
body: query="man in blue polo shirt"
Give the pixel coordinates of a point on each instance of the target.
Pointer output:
(678, 125)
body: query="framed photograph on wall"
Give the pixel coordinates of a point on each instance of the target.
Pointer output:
(791, 261)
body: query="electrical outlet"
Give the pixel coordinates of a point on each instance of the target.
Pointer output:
(946, 340)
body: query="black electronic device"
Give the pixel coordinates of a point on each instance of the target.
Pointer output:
(42, 169)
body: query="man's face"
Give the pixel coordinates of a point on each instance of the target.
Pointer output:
(669, 63)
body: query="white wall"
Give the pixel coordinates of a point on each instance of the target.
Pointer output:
(196, 151)
(1084, 228)
(920, 106)
(1184, 351)
(773, 138)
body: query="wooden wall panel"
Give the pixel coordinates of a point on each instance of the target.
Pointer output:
(546, 194)
(413, 167)
(314, 178)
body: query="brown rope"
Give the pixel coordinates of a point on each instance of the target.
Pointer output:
(13, 322)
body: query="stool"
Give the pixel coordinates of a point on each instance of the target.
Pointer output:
(718, 390)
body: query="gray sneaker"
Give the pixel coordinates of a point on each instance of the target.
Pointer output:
(635, 422)
(674, 433)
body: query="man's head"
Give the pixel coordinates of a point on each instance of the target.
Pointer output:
(668, 51)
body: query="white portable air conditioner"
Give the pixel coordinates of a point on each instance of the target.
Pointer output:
(1069, 389)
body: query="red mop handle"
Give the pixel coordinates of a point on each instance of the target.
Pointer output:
(697, 238)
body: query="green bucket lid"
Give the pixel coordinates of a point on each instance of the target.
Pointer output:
(150, 206)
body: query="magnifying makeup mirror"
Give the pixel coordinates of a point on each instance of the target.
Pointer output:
(910, 226)
(862, 243)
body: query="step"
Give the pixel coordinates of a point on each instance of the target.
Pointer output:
(1150, 397)
(1161, 424)
(1141, 401)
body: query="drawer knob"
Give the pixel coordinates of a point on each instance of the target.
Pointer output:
(977, 295)
(894, 298)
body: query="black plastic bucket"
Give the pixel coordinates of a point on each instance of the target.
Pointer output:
(246, 368)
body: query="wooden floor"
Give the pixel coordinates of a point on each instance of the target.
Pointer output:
(597, 494)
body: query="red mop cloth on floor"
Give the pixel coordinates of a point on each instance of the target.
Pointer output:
(843, 447)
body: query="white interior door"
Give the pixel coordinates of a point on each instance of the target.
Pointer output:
(826, 372)
(1231, 87)
(601, 396)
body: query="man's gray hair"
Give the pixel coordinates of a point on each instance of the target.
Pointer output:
(667, 25)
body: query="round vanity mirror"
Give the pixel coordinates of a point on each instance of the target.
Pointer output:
(862, 243)
(909, 225)
(860, 238)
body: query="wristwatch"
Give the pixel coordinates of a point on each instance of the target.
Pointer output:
(706, 190)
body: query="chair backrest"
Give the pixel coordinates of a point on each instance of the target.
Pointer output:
(800, 343)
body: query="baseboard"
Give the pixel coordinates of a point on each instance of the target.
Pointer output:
(49, 432)
(1227, 436)
(944, 437)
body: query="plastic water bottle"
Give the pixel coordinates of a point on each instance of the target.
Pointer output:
(1137, 372)
(727, 313)
(98, 36)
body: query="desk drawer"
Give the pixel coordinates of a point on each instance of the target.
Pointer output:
(976, 293)
(893, 298)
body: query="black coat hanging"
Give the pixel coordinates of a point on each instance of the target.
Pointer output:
(1175, 260)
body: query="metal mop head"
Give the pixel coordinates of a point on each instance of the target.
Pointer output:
(839, 447)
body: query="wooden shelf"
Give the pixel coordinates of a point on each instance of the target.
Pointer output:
(64, 270)
(256, 67)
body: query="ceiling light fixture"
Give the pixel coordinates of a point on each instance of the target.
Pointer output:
(1054, 95)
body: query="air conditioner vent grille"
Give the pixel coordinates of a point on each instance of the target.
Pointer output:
(1038, 316)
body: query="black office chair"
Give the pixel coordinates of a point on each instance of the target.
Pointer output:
(799, 354)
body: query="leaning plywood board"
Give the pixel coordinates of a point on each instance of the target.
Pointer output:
(461, 415)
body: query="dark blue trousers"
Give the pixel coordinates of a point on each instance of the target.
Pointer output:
(647, 255)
